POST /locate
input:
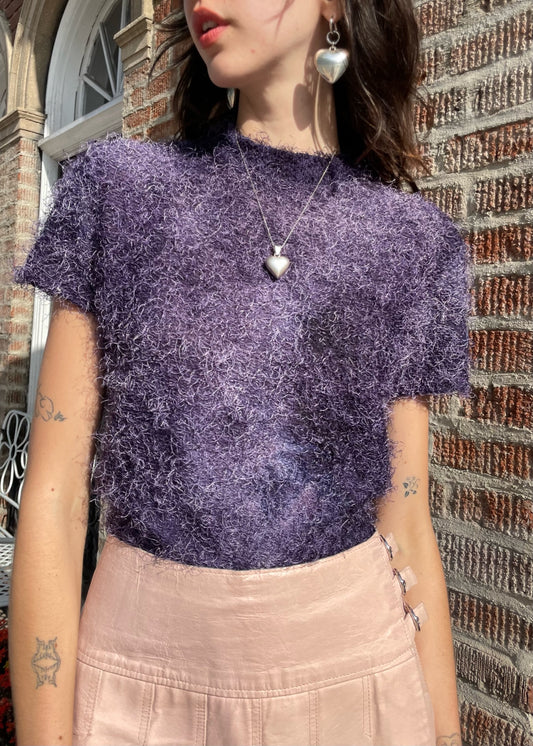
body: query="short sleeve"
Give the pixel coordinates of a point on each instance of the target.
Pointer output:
(62, 259)
(431, 348)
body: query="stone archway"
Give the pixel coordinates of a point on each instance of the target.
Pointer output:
(32, 48)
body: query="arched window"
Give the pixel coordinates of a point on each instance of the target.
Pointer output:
(84, 88)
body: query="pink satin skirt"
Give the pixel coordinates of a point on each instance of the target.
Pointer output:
(318, 653)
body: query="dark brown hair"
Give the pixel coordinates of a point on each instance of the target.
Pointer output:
(374, 99)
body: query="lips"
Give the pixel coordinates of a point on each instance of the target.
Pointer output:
(207, 26)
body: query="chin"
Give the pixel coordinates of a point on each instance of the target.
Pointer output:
(224, 75)
(221, 79)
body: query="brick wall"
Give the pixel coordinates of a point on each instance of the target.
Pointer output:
(147, 102)
(19, 196)
(19, 189)
(478, 84)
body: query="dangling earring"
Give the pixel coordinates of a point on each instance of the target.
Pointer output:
(230, 96)
(331, 63)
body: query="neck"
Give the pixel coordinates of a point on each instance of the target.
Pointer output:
(297, 116)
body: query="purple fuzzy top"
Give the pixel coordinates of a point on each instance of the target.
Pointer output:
(244, 418)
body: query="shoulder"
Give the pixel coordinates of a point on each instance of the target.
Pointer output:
(124, 163)
(117, 157)
(419, 222)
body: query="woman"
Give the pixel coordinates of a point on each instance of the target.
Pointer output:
(246, 324)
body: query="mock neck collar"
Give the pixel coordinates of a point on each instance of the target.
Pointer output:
(261, 155)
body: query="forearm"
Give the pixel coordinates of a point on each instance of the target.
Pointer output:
(434, 639)
(405, 511)
(43, 623)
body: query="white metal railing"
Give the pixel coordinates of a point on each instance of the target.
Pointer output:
(14, 437)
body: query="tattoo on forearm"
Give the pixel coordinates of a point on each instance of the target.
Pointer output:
(454, 739)
(45, 662)
(410, 486)
(45, 409)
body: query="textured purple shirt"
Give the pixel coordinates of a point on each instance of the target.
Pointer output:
(244, 418)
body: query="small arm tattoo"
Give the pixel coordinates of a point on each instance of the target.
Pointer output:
(45, 409)
(410, 486)
(46, 662)
(454, 739)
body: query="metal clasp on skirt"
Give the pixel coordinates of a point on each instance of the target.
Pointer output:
(406, 579)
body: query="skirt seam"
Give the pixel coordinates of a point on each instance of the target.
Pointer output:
(175, 683)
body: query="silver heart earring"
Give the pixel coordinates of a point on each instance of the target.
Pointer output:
(332, 63)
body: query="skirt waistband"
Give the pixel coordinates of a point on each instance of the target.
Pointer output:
(251, 632)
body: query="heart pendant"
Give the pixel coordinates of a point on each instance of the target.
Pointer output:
(331, 63)
(277, 265)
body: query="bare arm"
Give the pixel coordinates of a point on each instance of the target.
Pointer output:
(46, 586)
(406, 514)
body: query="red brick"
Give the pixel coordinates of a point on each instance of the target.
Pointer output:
(432, 64)
(500, 459)
(136, 77)
(27, 194)
(507, 514)
(505, 194)
(438, 15)
(425, 153)
(16, 378)
(439, 405)
(502, 350)
(17, 346)
(503, 244)
(28, 177)
(162, 84)
(19, 310)
(483, 670)
(509, 295)
(482, 148)
(29, 154)
(487, 563)
(441, 108)
(16, 328)
(504, 405)
(21, 293)
(450, 199)
(478, 726)
(504, 91)
(162, 9)
(27, 212)
(136, 98)
(137, 118)
(158, 109)
(165, 61)
(16, 399)
(436, 497)
(507, 38)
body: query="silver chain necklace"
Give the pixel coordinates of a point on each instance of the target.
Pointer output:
(277, 264)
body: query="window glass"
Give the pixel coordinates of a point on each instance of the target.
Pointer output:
(102, 78)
